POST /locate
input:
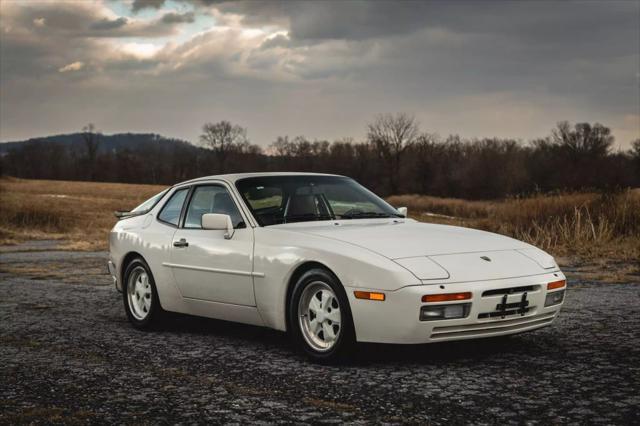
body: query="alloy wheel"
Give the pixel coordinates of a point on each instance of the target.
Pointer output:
(139, 295)
(319, 316)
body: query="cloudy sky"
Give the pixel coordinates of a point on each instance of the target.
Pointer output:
(319, 69)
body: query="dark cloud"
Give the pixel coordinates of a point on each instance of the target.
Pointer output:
(178, 18)
(109, 24)
(138, 5)
(468, 47)
(555, 21)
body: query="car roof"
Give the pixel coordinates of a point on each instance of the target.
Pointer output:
(232, 178)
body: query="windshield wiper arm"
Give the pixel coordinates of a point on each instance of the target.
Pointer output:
(306, 216)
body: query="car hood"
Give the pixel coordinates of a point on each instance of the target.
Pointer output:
(408, 238)
(437, 253)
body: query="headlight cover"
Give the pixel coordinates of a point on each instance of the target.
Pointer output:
(545, 260)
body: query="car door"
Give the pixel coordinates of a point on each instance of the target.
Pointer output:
(205, 264)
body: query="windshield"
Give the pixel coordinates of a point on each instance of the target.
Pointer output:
(284, 199)
(150, 203)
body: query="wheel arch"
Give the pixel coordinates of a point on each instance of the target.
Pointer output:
(128, 258)
(295, 276)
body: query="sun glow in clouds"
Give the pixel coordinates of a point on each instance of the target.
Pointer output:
(140, 50)
(74, 66)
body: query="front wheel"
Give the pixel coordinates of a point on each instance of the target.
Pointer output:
(320, 317)
(140, 296)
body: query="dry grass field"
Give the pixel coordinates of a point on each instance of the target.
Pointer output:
(595, 236)
(79, 214)
(584, 225)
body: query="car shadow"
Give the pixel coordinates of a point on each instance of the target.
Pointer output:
(365, 353)
(440, 352)
(189, 324)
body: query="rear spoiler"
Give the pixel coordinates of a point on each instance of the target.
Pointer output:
(125, 214)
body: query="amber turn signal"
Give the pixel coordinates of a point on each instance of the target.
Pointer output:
(448, 297)
(556, 284)
(369, 295)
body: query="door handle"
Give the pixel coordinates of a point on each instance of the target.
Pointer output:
(181, 243)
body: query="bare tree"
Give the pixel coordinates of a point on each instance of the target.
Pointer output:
(282, 147)
(425, 151)
(223, 138)
(635, 153)
(635, 148)
(583, 139)
(390, 135)
(91, 138)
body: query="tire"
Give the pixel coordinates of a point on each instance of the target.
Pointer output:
(321, 328)
(140, 296)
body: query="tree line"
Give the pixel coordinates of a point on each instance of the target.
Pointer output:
(396, 157)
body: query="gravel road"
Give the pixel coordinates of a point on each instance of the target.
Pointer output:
(67, 354)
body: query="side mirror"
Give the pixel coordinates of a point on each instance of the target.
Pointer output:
(402, 211)
(215, 221)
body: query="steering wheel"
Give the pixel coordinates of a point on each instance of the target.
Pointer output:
(352, 211)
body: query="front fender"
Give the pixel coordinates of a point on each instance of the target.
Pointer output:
(278, 253)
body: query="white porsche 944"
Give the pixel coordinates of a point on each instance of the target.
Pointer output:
(325, 259)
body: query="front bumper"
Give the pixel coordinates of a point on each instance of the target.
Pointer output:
(397, 319)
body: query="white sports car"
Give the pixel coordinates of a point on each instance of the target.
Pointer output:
(324, 258)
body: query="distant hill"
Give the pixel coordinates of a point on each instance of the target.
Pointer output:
(108, 143)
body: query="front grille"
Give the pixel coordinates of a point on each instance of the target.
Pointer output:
(511, 290)
(494, 327)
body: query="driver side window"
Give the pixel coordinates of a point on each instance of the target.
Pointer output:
(211, 199)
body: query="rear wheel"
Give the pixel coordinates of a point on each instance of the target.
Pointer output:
(140, 296)
(320, 317)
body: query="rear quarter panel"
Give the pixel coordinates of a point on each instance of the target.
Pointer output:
(152, 240)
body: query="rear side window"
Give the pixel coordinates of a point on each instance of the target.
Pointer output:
(150, 203)
(171, 211)
(211, 199)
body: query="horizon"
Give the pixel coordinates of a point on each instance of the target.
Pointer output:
(322, 70)
(616, 147)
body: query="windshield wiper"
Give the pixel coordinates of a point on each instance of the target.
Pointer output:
(311, 216)
(366, 215)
